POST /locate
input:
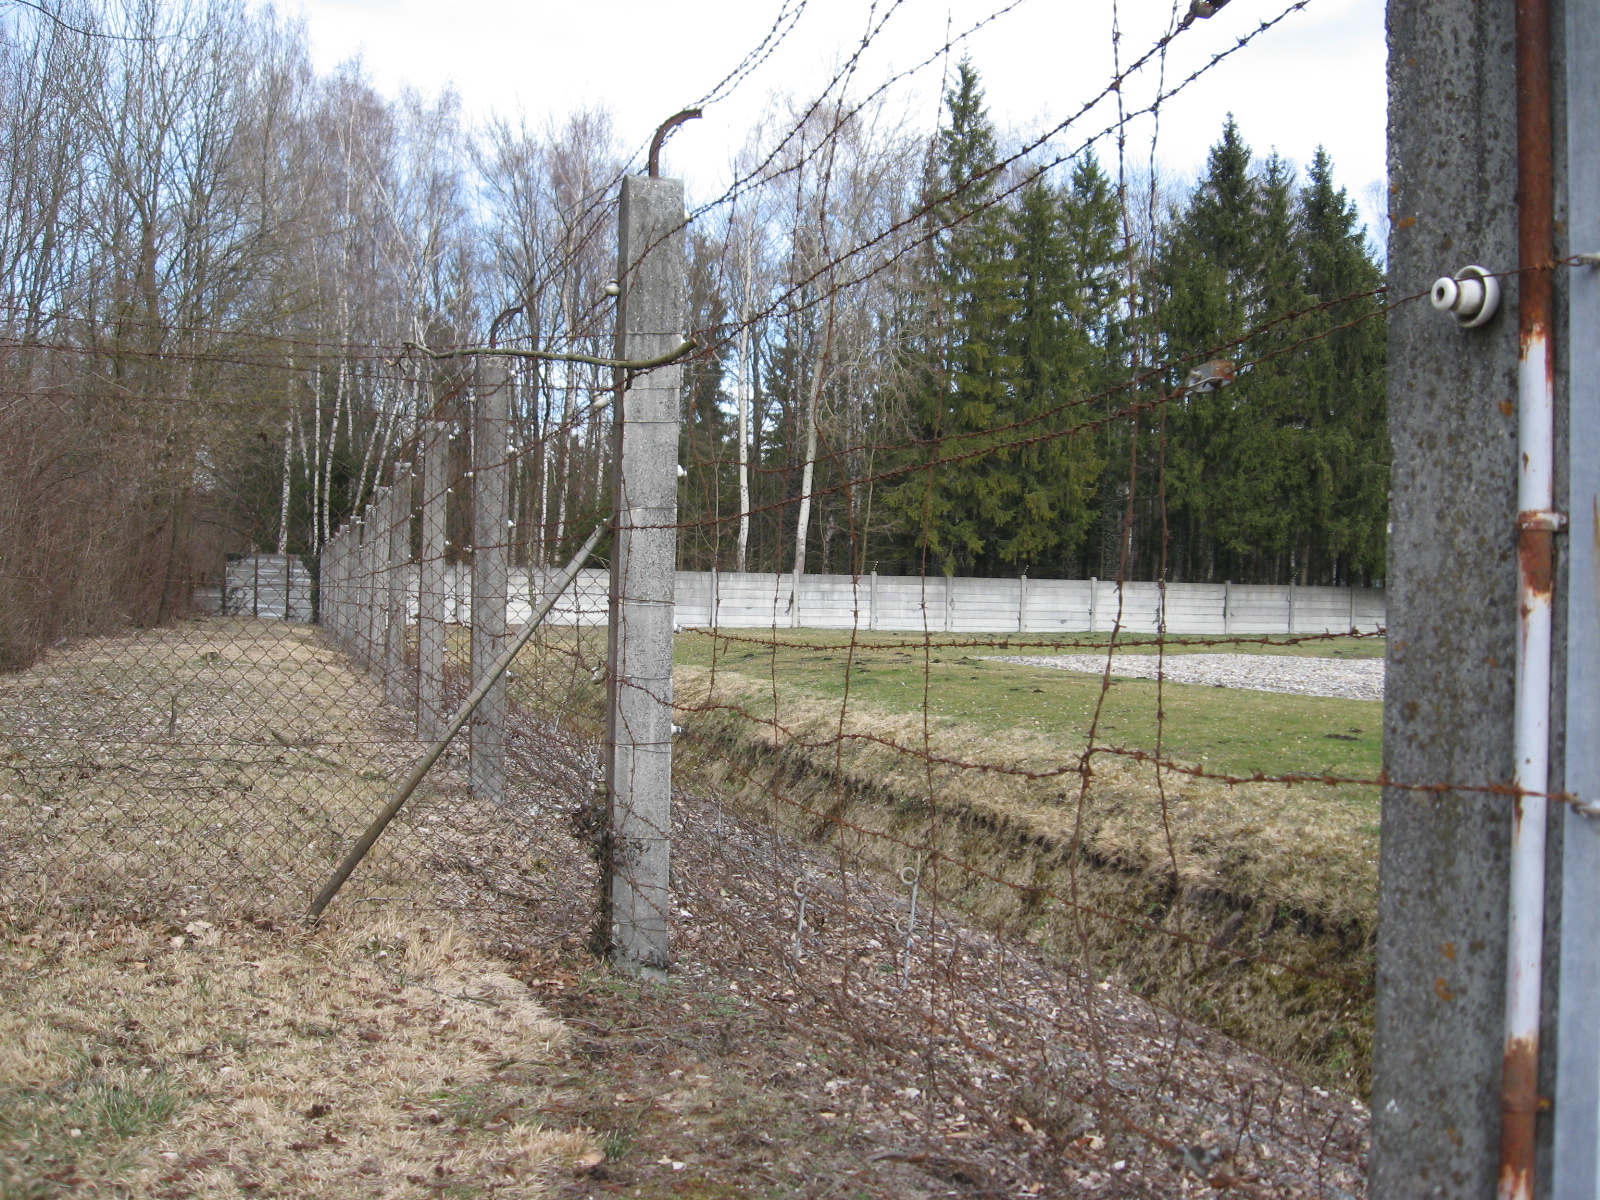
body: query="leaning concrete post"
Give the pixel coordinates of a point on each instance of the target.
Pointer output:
(490, 537)
(431, 582)
(650, 321)
(397, 527)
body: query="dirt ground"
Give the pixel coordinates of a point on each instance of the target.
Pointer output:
(202, 1043)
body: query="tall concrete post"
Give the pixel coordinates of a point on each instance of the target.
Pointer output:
(431, 583)
(338, 603)
(650, 322)
(330, 591)
(1452, 614)
(396, 576)
(328, 587)
(347, 566)
(371, 539)
(491, 539)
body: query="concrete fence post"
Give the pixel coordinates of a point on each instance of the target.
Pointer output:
(331, 596)
(1022, 603)
(432, 585)
(1094, 601)
(369, 571)
(1227, 607)
(342, 607)
(872, 601)
(1291, 606)
(358, 588)
(398, 555)
(638, 761)
(1439, 1041)
(490, 577)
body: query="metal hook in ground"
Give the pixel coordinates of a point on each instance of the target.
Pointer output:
(912, 876)
(800, 918)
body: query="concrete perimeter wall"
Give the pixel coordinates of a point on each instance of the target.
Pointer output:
(944, 604)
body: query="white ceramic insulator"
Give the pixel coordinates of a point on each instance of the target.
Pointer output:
(1471, 296)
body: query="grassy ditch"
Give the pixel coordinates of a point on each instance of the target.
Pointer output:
(1232, 731)
(1251, 907)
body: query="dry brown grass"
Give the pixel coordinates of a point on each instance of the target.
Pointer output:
(168, 799)
(1270, 891)
(220, 758)
(233, 754)
(222, 1059)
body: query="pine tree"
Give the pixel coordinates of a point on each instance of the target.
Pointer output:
(1281, 476)
(706, 440)
(948, 509)
(1343, 378)
(1063, 342)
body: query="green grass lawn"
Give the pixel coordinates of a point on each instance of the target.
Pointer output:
(1229, 730)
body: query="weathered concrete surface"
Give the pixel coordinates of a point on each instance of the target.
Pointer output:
(1452, 608)
(650, 322)
(491, 561)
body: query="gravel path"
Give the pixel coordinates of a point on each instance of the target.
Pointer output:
(1352, 679)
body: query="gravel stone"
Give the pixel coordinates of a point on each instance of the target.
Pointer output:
(1350, 679)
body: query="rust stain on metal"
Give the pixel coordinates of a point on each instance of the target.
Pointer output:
(1535, 178)
(1519, 1106)
(1534, 555)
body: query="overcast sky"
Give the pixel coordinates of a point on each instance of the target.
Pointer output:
(1315, 79)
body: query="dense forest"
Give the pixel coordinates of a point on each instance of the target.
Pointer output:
(922, 349)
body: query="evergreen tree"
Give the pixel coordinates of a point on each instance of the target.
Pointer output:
(949, 508)
(1343, 378)
(707, 434)
(1063, 341)
(1278, 477)
(1025, 298)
